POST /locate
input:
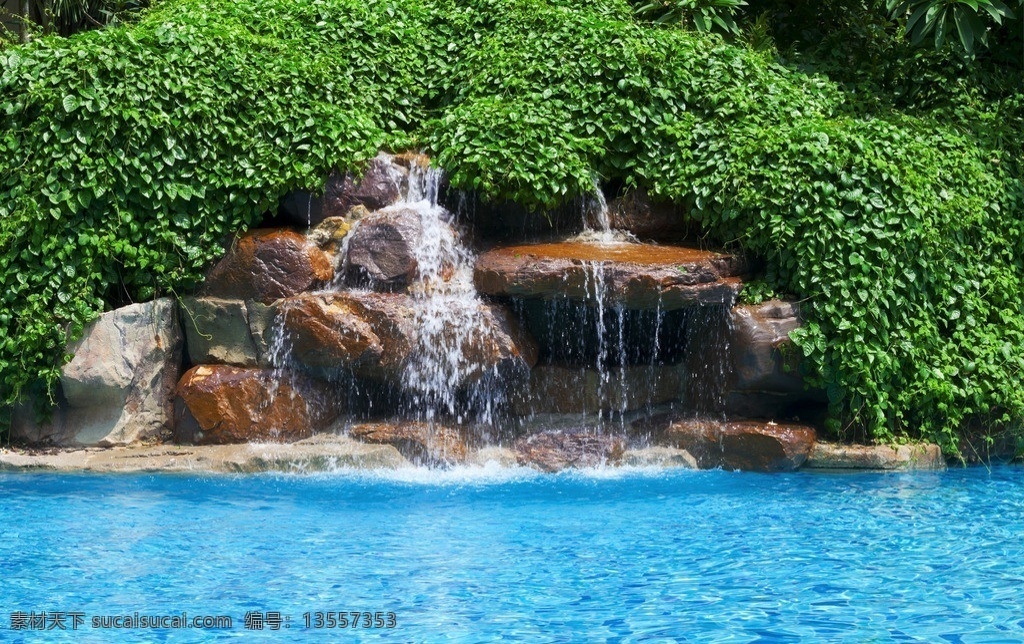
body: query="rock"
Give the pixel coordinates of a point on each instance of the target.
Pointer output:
(834, 456)
(381, 251)
(497, 344)
(742, 445)
(117, 388)
(268, 264)
(222, 404)
(327, 332)
(765, 381)
(499, 456)
(636, 276)
(331, 232)
(553, 451)
(659, 456)
(382, 183)
(421, 443)
(217, 331)
(567, 390)
(323, 452)
(375, 335)
(763, 357)
(647, 219)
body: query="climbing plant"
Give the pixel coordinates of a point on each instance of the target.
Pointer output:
(127, 154)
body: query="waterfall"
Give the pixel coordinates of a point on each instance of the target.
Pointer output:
(448, 313)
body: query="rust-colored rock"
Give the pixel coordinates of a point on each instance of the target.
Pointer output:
(742, 445)
(220, 404)
(637, 276)
(421, 443)
(762, 355)
(371, 334)
(326, 332)
(376, 334)
(553, 451)
(381, 250)
(268, 264)
(765, 378)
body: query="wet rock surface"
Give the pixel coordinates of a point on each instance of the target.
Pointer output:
(742, 445)
(635, 276)
(553, 451)
(219, 404)
(422, 443)
(566, 390)
(375, 335)
(268, 264)
(381, 250)
(646, 218)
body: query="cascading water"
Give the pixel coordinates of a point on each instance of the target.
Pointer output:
(448, 315)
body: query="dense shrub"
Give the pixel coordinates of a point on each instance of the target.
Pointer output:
(127, 154)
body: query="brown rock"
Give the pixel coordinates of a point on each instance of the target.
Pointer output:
(421, 443)
(553, 451)
(765, 379)
(381, 248)
(382, 183)
(221, 404)
(376, 334)
(565, 390)
(833, 456)
(499, 342)
(763, 357)
(646, 218)
(268, 264)
(326, 331)
(742, 445)
(638, 276)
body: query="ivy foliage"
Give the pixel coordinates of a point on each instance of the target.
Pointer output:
(127, 154)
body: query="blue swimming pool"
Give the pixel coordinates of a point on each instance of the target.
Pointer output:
(509, 555)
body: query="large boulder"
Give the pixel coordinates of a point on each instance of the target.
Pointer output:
(557, 450)
(381, 249)
(267, 264)
(375, 335)
(219, 404)
(635, 276)
(422, 443)
(117, 388)
(742, 445)
(383, 182)
(328, 332)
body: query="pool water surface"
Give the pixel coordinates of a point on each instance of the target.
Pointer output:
(482, 555)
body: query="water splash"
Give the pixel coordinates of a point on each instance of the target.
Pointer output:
(597, 222)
